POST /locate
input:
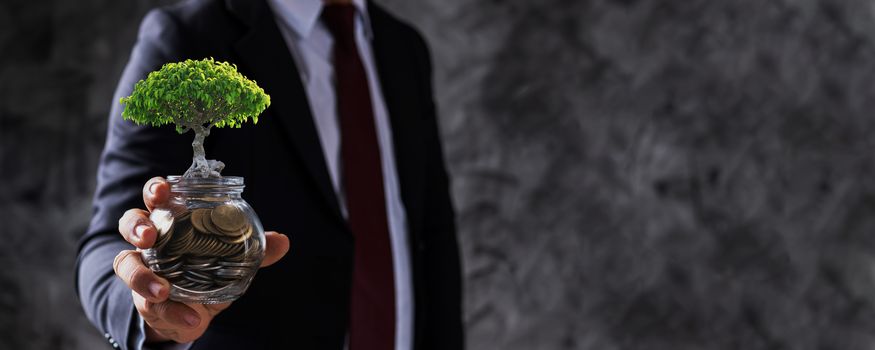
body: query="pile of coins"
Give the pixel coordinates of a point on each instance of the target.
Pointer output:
(203, 249)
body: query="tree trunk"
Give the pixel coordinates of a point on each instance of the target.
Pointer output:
(200, 166)
(200, 134)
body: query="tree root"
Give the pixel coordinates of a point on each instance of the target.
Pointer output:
(209, 168)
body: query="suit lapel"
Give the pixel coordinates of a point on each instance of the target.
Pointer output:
(399, 84)
(267, 60)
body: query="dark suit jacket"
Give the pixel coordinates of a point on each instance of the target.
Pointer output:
(302, 301)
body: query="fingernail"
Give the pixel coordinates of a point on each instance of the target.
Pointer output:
(155, 288)
(152, 187)
(191, 319)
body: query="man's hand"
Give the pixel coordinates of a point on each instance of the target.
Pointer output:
(165, 319)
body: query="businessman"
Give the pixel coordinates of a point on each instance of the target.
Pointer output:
(346, 163)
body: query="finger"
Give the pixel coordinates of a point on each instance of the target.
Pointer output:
(129, 267)
(137, 229)
(277, 246)
(156, 192)
(153, 330)
(167, 315)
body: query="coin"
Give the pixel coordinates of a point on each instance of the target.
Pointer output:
(181, 214)
(196, 266)
(228, 218)
(235, 258)
(204, 249)
(171, 275)
(233, 249)
(208, 226)
(163, 260)
(180, 227)
(202, 260)
(201, 277)
(242, 237)
(163, 221)
(254, 247)
(232, 272)
(229, 239)
(168, 267)
(197, 216)
(198, 246)
(210, 268)
(181, 236)
(222, 249)
(180, 242)
(237, 264)
(187, 284)
(199, 283)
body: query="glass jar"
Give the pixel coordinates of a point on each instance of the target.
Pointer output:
(210, 242)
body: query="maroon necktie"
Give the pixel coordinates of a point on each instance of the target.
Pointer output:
(372, 299)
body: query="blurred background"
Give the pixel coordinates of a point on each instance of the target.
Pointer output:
(628, 174)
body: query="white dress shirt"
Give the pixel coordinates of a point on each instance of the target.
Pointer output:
(310, 44)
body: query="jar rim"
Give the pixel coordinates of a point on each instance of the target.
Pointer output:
(224, 180)
(208, 184)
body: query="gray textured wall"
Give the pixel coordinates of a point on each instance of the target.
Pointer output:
(629, 174)
(59, 62)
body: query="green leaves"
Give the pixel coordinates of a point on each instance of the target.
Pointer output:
(195, 92)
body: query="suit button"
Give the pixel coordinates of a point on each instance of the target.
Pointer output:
(106, 335)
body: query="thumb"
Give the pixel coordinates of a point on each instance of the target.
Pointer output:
(276, 247)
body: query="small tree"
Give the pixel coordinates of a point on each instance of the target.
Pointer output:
(196, 95)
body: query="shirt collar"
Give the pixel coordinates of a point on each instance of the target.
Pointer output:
(302, 15)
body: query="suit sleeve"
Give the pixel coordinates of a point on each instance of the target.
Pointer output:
(131, 156)
(442, 260)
